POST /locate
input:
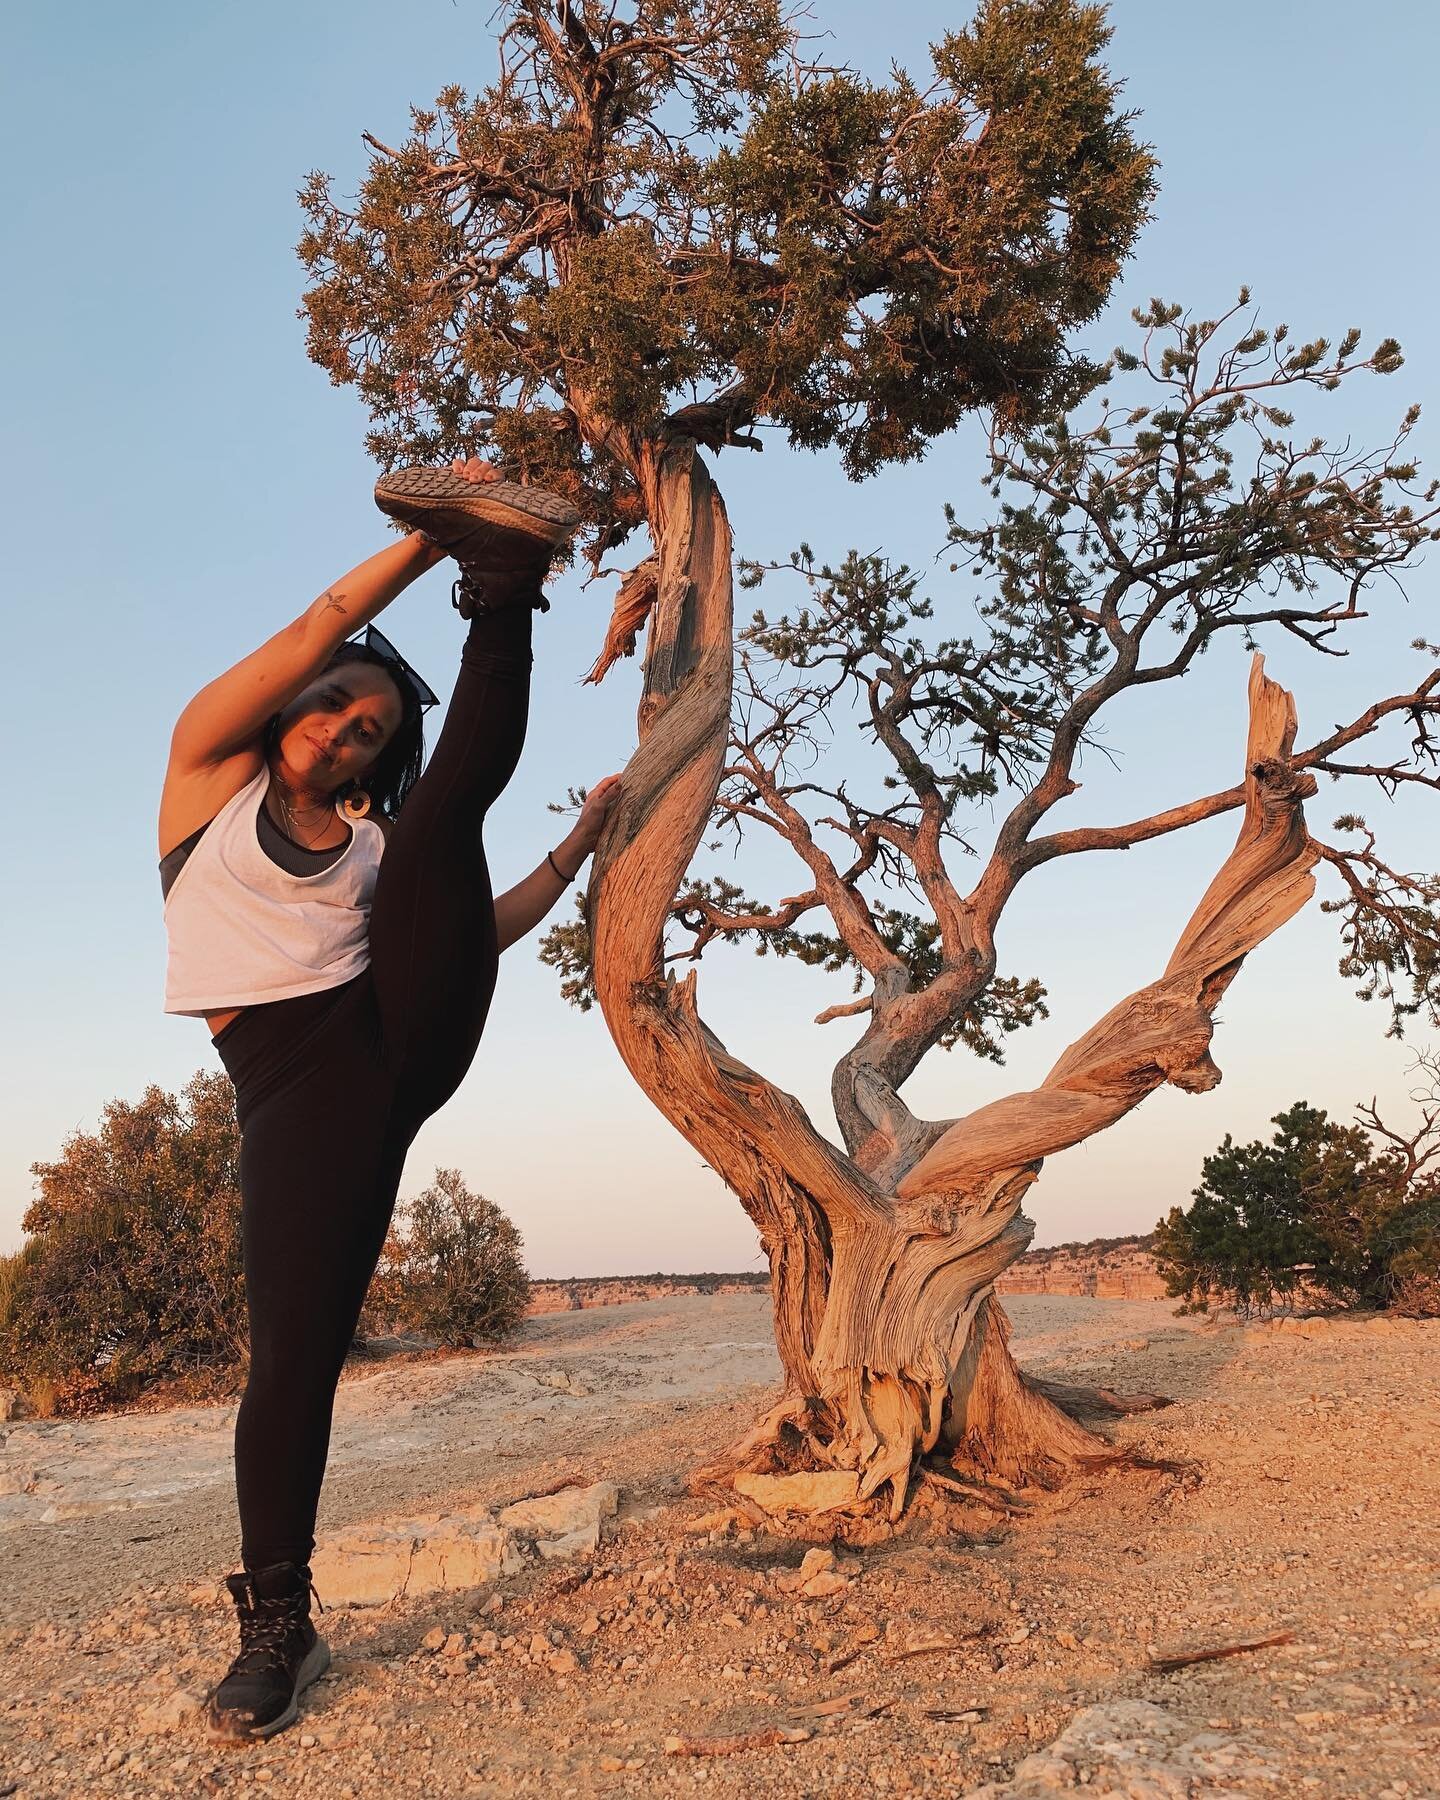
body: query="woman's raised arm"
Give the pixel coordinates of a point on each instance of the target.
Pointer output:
(228, 714)
(215, 746)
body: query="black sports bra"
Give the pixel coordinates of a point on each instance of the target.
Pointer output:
(283, 851)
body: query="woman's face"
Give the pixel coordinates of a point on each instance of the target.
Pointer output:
(333, 730)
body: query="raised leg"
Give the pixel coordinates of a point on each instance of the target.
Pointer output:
(433, 949)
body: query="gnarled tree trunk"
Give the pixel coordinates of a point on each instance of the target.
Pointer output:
(890, 1336)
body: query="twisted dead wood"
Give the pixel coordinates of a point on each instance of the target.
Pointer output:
(888, 1331)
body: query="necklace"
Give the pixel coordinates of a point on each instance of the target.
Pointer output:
(292, 824)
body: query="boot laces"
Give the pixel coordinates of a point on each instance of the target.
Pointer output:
(468, 590)
(272, 1629)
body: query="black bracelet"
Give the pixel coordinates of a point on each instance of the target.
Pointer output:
(567, 879)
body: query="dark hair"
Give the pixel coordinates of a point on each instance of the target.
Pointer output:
(397, 768)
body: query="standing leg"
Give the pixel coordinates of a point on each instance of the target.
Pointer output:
(319, 1172)
(320, 1167)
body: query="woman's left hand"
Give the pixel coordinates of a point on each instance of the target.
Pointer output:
(593, 814)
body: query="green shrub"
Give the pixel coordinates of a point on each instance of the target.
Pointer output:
(131, 1271)
(1412, 1256)
(451, 1269)
(1316, 1210)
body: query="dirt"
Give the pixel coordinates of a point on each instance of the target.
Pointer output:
(1301, 1496)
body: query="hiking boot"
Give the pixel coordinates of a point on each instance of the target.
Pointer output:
(502, 535)
(280, 1655)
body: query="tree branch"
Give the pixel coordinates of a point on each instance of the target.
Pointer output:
(1161, 1034)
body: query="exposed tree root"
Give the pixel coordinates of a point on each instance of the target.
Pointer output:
(1078, 1400)
(972, 1493)
(999, 1424)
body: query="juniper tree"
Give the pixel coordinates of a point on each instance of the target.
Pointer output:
(1347, 1213)
(666, 227)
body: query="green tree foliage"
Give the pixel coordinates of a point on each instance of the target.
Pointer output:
(656, 205)
(452, 1267)
(1318, 1209)
(665, 220)
(131, 1271)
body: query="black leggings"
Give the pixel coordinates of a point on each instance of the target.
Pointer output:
(332, 1087)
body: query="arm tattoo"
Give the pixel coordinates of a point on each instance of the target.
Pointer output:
(332, 601)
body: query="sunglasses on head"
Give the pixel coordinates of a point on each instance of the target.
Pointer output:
(391, 657)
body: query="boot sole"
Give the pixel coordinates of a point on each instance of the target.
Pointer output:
(316, 1662)
(415, 495)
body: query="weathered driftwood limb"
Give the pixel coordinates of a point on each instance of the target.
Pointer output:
(1185, 1659)
(1076, 1399)
(883, 1269)
(633, 601)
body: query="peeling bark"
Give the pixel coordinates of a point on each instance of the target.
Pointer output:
(883, 1261)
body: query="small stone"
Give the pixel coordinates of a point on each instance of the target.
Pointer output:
(590, 1626)
(564, 1662)
(454, 1645)
(433, 1639)
(539, 1646)
(308, 1740)
(170, 1712)
(492, 1606)
(485, 1643)
(612, 1765)
(815, 1577)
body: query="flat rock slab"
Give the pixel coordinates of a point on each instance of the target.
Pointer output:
(824, 1491)
(374, 1564)
(564, 1514)
(1141, 1752)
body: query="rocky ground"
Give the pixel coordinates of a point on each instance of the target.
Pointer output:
(684, 1653)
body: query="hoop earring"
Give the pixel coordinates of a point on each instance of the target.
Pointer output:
(355, 805)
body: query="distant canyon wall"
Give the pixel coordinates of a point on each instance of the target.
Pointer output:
(1124, 1272)
(575, 1296)
(1103, 1271)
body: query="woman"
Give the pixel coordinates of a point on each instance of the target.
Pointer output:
(341, 946)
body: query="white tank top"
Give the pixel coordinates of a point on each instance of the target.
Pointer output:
(242, 930)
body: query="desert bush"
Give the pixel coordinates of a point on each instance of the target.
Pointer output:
(451, 1268)
(1319, 1210)
(1413, 1258)
(131, 1269)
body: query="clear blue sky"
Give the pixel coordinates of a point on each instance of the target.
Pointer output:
(178, 480)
